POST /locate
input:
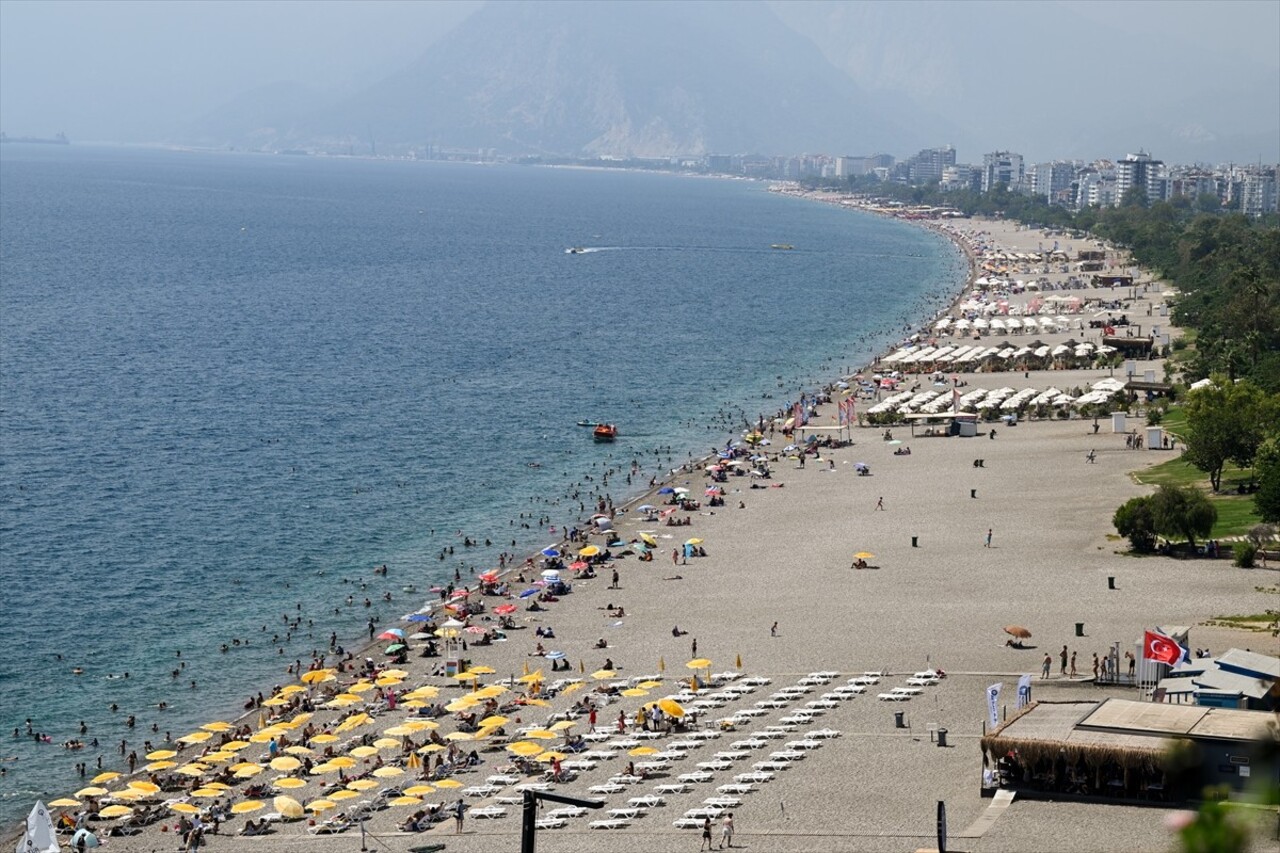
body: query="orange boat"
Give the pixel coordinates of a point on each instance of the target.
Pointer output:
(605, 432)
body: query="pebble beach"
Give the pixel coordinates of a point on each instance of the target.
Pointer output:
(959, 551)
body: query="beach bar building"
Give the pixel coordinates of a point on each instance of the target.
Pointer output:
(1120, 749)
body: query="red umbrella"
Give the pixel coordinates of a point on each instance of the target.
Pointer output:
(388, 635)
(578, 566)
(474, 629)
(504, 609)
(489, 577)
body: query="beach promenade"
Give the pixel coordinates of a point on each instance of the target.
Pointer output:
(960, 551)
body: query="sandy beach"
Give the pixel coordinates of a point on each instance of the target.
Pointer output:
(937, 595)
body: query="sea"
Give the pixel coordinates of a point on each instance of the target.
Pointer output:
(231, 385)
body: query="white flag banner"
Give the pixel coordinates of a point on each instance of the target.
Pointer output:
(993, 704)
(1024, 691)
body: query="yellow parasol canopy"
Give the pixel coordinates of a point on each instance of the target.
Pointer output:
(145, 787)
(195, 737)
(105, 777)
(419, 790)
(116, 811)
(387, 742)
(364, 751)
(288, 807)
(643, 750)
(299, 750)
(342, 794)
(285, 763)
(218, 726)
(64, 802)
(388, 772)
(601, 674)
(93, 791)
(564, 725)
(159, 754)
(324, 737)
(524, 747)
(321, 805)
(247, 806)
(541, 734)
(448, 783)
(316, 676)
(671, 707)
(635, 691)
(405, 801)
(184, 808)
(192, 769)
(290, 782)
(362, 784)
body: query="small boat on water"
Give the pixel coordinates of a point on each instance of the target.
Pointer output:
(576, 250)
(605, 432)
(588, 424)
(784, 246)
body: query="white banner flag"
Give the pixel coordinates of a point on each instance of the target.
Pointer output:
(1024, 691)
(993, 704)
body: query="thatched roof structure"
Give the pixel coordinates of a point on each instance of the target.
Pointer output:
(1134, 735)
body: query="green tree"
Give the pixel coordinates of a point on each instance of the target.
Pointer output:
(1266, 467)
(1226, 422)
(1182, 512)
(1134, 520)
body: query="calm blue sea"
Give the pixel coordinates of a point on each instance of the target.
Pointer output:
(229, 383)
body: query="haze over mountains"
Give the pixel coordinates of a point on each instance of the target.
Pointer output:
(1057, 78)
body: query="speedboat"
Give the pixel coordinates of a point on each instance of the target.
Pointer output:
(588, 424)
(605, 432)
(782, 246)
(576, 250)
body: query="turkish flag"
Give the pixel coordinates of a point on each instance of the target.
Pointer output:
(1159, 647)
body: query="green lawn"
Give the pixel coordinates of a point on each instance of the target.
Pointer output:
(1236, 513)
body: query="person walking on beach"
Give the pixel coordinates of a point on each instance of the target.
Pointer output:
(693, 648)
(1073, 664)
(880, 504)
(1046, 665)
(1062, 658)
(591, 718)
(726, 831)
(988, 545)
(459, 813)
(706, 835)
(773, 630)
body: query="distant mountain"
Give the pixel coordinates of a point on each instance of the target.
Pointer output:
(262, 117)
(649, 79)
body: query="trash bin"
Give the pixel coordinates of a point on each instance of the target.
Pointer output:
(899, 719)
(942, 737)
(915, 541)
(1079, 629)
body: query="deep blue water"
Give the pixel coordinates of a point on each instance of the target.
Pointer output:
(230, 382)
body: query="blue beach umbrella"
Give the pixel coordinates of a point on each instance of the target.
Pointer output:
(647, 508)
(550, 552)
(90, 840)
(418, 617)
(556, 655)
(528, 592)
(666, 490)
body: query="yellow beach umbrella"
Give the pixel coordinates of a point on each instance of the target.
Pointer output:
(207, 793)
(290, 689)
(484, 670)
(494, 720)
(316, 676)
(635, 691)
(398, 731)
(563, 725)
(541, 703)
(662, 664)
(299, 750)
(424, 692)
(235, 745)
(649, 685)
(184, 808)
(324, 737)
(388, 681)
(64, 803)
(643, 750)
(462, 703)
(157, 766)
(413, 704)
(247, 806)
(405, 801)
(195, 737)
(145, 787)
(105, 777)
(396, 673)
(93, 791)
(447, 633)
(418, 725)
(362, 784)
(129, 794)
(160, 754)
(671, 707)
(343, 761)
(285, 763)
(448, 783)
(419, 790)
(541, 734)
(321, 805)
(288, 807)
(388, 742)
(524, 747)
(217, 726)
(531, 678)
(290, 782)
(429, 748)
(249, 772)
(551, 755)
(115, 811)
(698, 663)
(459, 736)
(352, 722)
(360, 687)
(364, 751)
(191, 770)
(570, 688)
(342, 794)
(649, 539)
(324, 767)
(274, 702)
(388, 772)
(218, 786)
(601, 674)
(589, 551)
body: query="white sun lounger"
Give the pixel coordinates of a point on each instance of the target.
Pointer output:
(609, 823)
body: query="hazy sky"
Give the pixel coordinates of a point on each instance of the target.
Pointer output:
(134, 70)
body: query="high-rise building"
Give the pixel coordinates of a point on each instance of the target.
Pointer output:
(1051, 180)
(1001, 167)
(1258, 192)
(927, 166)
(1139, 170)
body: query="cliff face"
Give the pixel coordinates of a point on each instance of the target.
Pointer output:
(626, 79)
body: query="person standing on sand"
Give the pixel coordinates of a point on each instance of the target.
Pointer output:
(988, 545)
(1062, 658)
(1073, 664)
(459, 813)
(773, 630)
(1046, 665)
(726, 831)
(693, 653)
(706, 835)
